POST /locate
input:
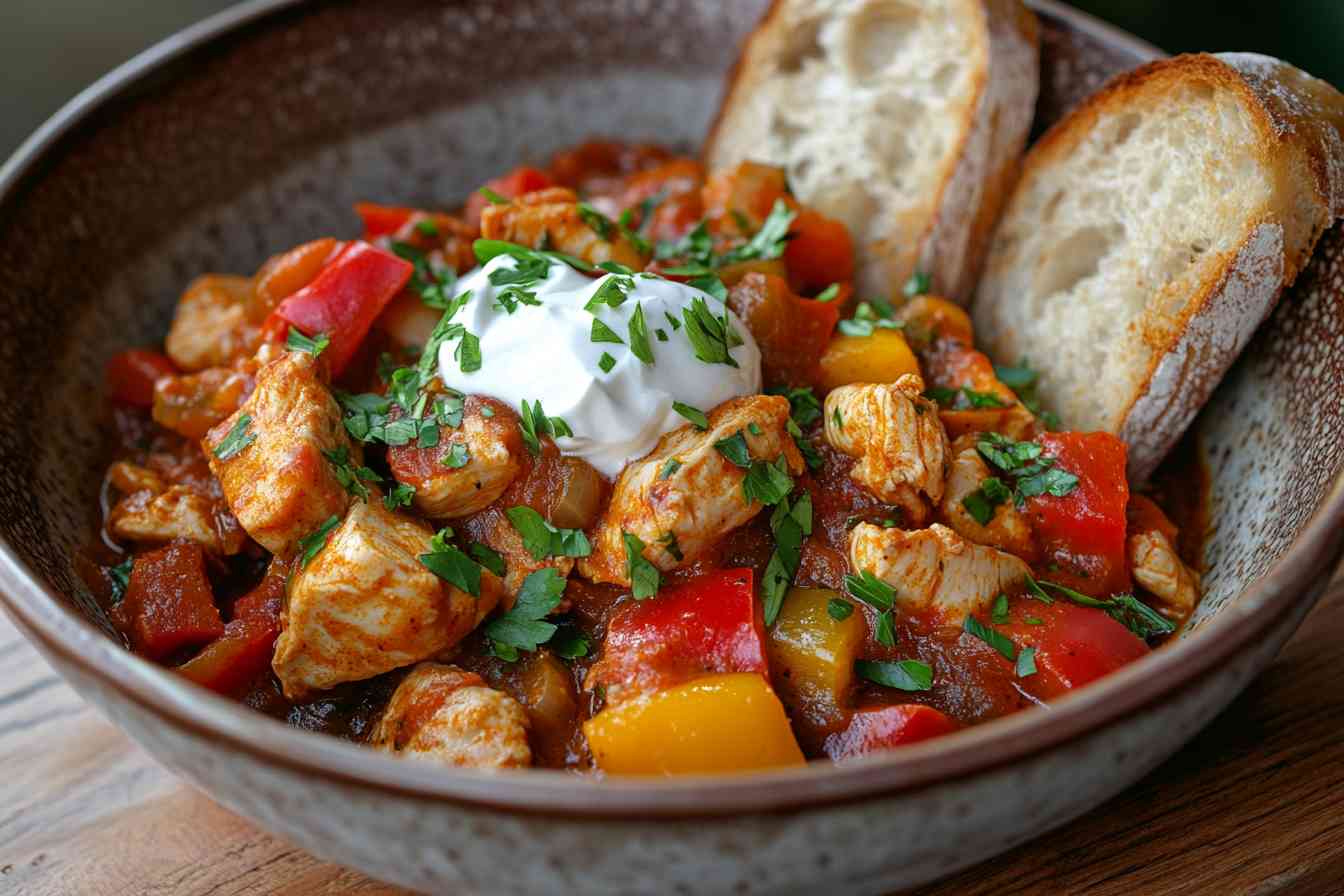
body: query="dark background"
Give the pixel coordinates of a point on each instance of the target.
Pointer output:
(50, 49)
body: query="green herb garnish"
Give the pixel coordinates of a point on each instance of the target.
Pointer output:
(238, 438)
(903, 675)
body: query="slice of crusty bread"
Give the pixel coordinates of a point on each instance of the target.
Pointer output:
(903, 118)
(1152, 231)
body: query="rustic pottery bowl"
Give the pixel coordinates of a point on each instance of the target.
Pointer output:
(258, 129)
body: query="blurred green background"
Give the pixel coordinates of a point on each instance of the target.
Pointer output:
(50, 49)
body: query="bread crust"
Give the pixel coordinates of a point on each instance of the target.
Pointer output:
(953, 235)
(1299, 126)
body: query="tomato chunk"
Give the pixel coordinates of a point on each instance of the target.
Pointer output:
(884, 727)
(236, 658)
(523, 179)
(820, 252)
(709, 625)
(131, 375)
(1074, 645)
(1082, 534)
(169, 604)
(349, 293)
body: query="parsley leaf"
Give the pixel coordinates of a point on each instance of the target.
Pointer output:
(639, 336)
(735, 449)
(449, 563)
(768, 242)
(711, 338)
(312, 544)
(871, 590)
(1032, 473)
(493, 197)
(767, 482)
(1026, 662)
(535, 424)
(828, 294)
(869, 316)
(644, 576)
(1023, 380)
(991, 637)
(237, 439)
(839, 609)
(456, 457)
(918, 285)
(999, 614)
(611, 291)
(603, 333)
(1125, 609)
(790, 523)
(120, 577)
(488, 249)
(599, 223)
(804, 406)
(569, 643)
(350, 476)
(980, 504)
(672, 466)
(487, 557)
(606, 362)
(542, 540)
(297, 342)
(400, 496)
(695, 415)
(903, 675)
(522, 627)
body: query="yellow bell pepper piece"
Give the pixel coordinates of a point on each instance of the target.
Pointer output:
(731, 722)
(882, 357)
(812, 654)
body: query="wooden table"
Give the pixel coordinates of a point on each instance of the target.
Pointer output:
(1254, 806)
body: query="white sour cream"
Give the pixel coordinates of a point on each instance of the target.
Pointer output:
(545, 353)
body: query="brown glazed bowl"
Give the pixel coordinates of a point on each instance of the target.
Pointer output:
(258, 129)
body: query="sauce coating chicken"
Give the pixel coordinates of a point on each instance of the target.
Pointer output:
(209, 325)
(935, 568)
(687, 493)
(551, 219)
(895, 434)
(487, 451)
(365, 604)
(1008, 530)
(444, 714)
(1154, 561)
(279, 485)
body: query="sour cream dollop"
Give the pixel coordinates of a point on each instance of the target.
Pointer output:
(546, 353)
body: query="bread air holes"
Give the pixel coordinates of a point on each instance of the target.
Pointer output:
(1075, 258)
(875, 38)
(802, 46)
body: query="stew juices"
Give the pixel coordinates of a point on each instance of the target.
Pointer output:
(612, 471)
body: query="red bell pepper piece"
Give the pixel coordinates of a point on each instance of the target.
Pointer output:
(234, 660)
(884, 727)
(131, 375)
(382, 220)
(168, 604)
(709, 625)
(343, 301)
(1082, 534)
(1074, 645)
(820, 252)
(516, 183)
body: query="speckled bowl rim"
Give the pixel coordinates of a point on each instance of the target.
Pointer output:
(61, 631)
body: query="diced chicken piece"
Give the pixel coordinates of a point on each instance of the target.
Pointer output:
(493, 447)
(679, 510)
(150, 517)
(493, 529)
(1154, 561)
(1008, 530)
(210, 326)
(365, 604)
(935, 569)
(279, 486)
(550, 219)
(444, 714)
(129, 478)
(192, 403)
(895, 434)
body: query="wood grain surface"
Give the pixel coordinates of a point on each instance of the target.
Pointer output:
(1254, 805)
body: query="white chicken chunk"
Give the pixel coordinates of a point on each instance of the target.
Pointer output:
(470, 467)
(365, 604)
(934, 569)
(1158, 569)
(177, 512)
(686, 493)
(444, 714)
(210, 324)
(897, 439)
(552, 218)
(273, 473)
(1009, 529)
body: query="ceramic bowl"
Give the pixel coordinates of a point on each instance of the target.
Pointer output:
(258, 129)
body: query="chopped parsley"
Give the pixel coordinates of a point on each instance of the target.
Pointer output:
(603, 333)
(1126, 609)
(1026, 662)
(238, 438)
(735, 449)
(828, 294)
(536, 425)
(918, 285)
(668, 542)
(767, 482)
(1024, 381)
(297, 342)
(606, 362)
(569, 642)
(488, 557)
(399, 496)
(456, 457)
(312, 544)
(695, 415)
(612, 292)
(542, 540)
(599, 223)
(964, 398)
(639, 336)
(120, 578)
(990, 636)
(351, 476)
(876, 314)
(981, 503)
(881, 597)
(839, 609)
(790, 523)
(427, 228)
(768, 242)
(1031, 472)
(492, 197)
(524, 627)
(644, 577)
(838, 418)
(804, 407)
(999, 614)
(488, 249)
(672, 466)
(903, 675)
(449, 563)
(712, 338)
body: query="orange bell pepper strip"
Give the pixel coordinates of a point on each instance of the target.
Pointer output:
(716, 724)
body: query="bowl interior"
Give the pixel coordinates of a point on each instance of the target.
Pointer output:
(266, 136)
